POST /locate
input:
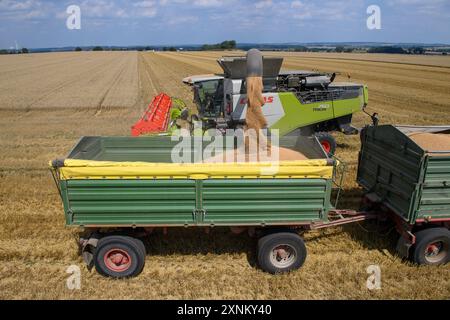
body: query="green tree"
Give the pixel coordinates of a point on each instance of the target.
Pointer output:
(301, 49)
(97, 48)
(387, 49)
(225, 45)
(417, 50)
(78, 49)
(24, 50)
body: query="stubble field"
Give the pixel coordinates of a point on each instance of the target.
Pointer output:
(47, 101)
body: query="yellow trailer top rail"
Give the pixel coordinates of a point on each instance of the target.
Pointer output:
(89, 169)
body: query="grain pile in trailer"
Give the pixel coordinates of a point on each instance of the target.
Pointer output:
(431, 141)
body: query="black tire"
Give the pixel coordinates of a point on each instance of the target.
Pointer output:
(141, 245)
(119, 256)
(432, 246)
(290, 244)
(327, 141)
(138, 241)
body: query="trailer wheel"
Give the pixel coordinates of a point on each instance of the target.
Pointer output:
(281, 252)
(141, 245)
(119, 256)
(432, 246)
(327, 141)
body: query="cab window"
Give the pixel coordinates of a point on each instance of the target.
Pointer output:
(208, 96)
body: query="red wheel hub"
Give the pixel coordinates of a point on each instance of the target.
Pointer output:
(281, 253)
(326, 146)
(433, 249)
(117, 260)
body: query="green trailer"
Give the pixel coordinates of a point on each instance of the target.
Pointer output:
(118, 189)
(410, 185)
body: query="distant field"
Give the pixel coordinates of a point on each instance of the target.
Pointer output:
(69, 80)
(47, 101)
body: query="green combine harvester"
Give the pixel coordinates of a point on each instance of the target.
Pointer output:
(296, 102)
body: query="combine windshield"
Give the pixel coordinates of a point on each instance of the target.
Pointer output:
(208, 95)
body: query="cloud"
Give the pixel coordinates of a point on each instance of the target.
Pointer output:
(415, 2)
(11, 5)
(24, 10)
(196, 3)
(208, 3)
(101, 9)
(263, 4)
(34, 14)
(144, 4)
(183, 20)
(297, 4)
(169, 2)
(433, 8)
(148, 12)
(146, 8)
(326, 10)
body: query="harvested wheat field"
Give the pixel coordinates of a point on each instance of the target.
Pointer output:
(48, 101)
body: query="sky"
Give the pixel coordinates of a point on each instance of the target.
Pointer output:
(42, 23)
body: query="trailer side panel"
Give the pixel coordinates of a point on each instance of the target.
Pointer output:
(265, 201)
(412, 182)
(390, 165)
(435, 194)
(130, 202)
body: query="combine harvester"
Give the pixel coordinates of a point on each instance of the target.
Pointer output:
(296, 102)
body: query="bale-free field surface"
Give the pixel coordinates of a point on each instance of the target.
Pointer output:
(48, 101)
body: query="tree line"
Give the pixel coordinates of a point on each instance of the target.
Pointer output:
(14, 51)
(225, 45)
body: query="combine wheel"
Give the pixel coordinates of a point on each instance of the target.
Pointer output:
(432, 246)
(119, 256)
(327, 141)
(281, 252)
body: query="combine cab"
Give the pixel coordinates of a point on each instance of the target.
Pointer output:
(296, 102)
